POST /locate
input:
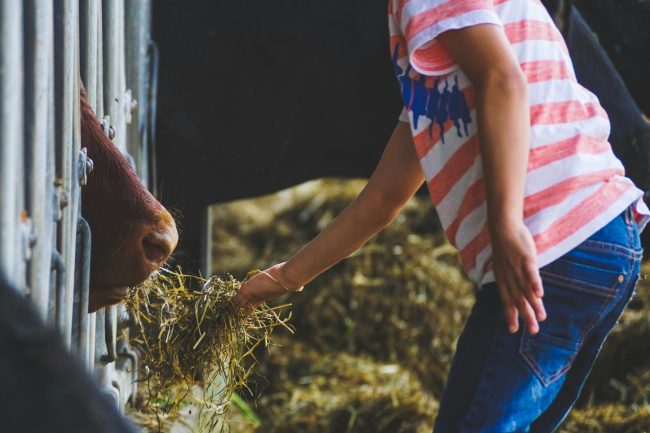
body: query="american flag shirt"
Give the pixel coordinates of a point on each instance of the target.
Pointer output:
(574, 185)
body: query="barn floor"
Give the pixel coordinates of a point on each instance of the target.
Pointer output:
(374, 336)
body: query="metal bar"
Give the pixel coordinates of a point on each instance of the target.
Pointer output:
(110, 322)
(67, 139)
(40, 176)
(100, 338)
(99, 36)
(88, 43)
(83, 270)
(206, 242)
(58, 268)
(151, 117)
(92, 326)
(123, 99)
(11, 136)
(112, 96)
(138, 33)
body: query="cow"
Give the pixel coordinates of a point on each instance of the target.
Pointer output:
(258, 96)
(43, 387)
(132, 233)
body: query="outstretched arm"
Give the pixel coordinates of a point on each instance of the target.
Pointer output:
(396, 178)
(485, 55)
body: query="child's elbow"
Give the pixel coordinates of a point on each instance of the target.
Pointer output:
(387, 207)
(510, 81)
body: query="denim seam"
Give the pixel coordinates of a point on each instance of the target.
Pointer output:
(578, 285)
(598, 317)
(546, 379)
(629, 275)
(609, 248)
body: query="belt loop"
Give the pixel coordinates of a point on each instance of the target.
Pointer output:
(629, 215)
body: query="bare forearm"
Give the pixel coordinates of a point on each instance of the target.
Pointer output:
(503, 100)
(396, 178)
(359, 222)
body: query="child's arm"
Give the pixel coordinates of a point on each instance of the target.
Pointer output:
(485, 55)
(396, 178)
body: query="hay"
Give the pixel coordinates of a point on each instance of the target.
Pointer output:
(339, 393)
(188, 326)
(608, 419)
(396, 300)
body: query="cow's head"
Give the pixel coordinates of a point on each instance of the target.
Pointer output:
(132, 233)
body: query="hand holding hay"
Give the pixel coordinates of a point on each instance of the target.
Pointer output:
(262, 286)
(186, 326)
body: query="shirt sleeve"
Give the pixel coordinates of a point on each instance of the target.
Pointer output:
(421, 22)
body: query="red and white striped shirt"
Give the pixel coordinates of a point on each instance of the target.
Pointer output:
(574, 186)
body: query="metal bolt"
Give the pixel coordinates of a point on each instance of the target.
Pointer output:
(27, 235)
(85, 166)
(61, 199)
(129, 105)
(107, 127)
(64, 200)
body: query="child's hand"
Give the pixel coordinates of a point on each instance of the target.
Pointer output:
(262, 287)
(517, 276)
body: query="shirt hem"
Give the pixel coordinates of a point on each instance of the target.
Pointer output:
(629, 198)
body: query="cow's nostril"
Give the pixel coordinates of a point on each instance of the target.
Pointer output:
(157, 248)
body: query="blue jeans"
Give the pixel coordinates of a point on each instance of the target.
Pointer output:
(502, 382)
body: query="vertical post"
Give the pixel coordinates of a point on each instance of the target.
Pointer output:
(91, 76)
(113, 28)
(83, 285)
(38, 134)
(11, 138)
(88, 15)
(67, 140)
(206, 242)
(138, 34)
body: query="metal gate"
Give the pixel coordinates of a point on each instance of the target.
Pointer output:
(46, 48)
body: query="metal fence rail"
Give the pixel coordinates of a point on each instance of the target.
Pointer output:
(47, 47)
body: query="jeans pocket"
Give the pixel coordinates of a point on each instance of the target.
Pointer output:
(548, 357)
(581, 271)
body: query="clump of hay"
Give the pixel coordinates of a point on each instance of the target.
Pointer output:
(187, 327)
(614, 418)
(339, 393)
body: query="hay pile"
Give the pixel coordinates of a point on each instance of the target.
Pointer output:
(186, 327)
(337, 392)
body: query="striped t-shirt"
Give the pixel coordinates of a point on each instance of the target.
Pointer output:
(574, 186)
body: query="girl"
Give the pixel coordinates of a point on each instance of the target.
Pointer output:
(515, 155)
